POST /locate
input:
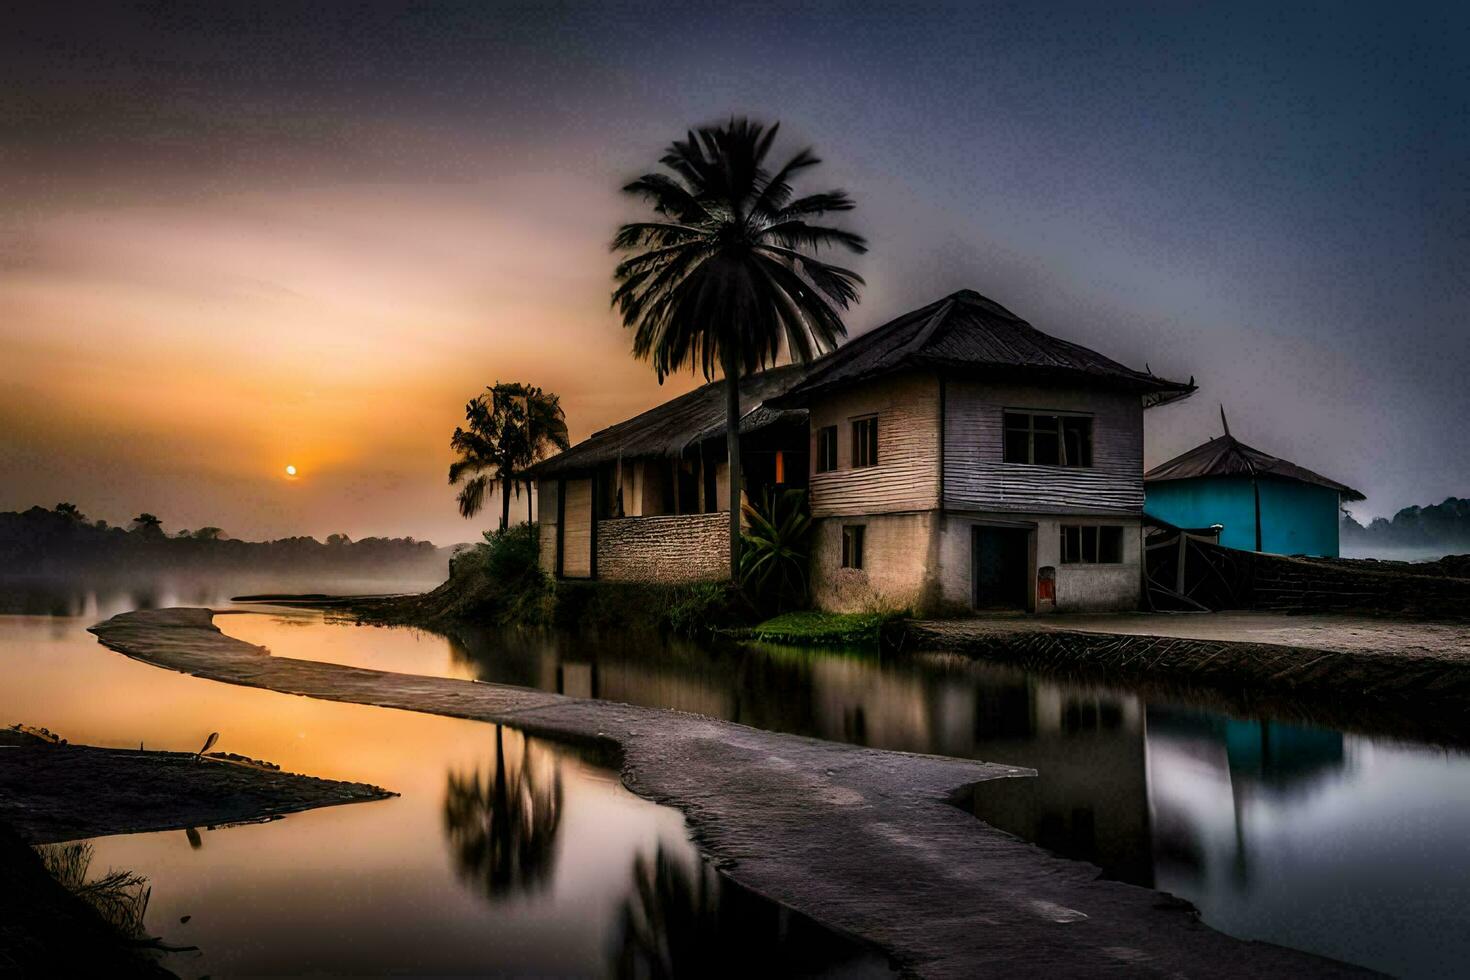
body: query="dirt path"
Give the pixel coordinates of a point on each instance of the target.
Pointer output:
(861, 840)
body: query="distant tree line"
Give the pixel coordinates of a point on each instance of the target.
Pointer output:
(62, 540)
(1445, 525)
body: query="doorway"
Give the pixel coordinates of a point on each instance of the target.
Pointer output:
(1001, 561)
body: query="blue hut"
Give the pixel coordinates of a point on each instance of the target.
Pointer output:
(1262, 503)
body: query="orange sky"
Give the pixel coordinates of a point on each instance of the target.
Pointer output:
(239, 236)
(176, 357)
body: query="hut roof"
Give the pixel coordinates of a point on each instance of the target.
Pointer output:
(1227, 456)
(670, 428)
(969, 333)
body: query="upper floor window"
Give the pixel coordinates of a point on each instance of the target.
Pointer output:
(1048, 440)
(865, 441)
(1092, 544)
(826, 448)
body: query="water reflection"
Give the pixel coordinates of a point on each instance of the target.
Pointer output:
(1260, 822)
(502, 825)
(683, 919)
(503, 856)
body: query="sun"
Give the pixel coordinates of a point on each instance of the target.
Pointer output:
(290, 469)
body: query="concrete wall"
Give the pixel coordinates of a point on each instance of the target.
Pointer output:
(907, 475)
(977, 477)
(1296, 518)
(921, 561)
(684, 548)
(899, 571)
(1079, 588)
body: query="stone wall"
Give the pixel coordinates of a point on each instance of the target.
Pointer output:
(686, 548)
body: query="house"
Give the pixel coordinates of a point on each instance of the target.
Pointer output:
(649, 499)
(1261, 502)
(963, 459)
(956, 458)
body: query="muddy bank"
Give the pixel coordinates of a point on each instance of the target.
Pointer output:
(52, 791)
(861, 840)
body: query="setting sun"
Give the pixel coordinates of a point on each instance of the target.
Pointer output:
(290, 469)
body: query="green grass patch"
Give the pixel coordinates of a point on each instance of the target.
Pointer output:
(813, 628)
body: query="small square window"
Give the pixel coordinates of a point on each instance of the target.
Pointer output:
(852, 545)
(826, 448)
(865, 442)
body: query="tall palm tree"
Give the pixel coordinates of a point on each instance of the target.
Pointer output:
(726, 274)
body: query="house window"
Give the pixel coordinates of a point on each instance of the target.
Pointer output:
(865, 442)
(1091, 544)
(826, 448)
(852, 545)
(1048, 440)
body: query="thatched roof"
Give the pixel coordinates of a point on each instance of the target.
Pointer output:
(671, 428)
(1228, 456)
(969, 334)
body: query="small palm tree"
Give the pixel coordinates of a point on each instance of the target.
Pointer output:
(538, 426)
(508, 428)
(726, 276)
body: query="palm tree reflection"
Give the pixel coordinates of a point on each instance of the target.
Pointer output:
(684, 919)
(502, 826)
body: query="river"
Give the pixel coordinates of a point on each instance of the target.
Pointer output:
(1343, 844)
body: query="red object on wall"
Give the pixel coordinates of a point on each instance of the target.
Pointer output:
(1046, 584)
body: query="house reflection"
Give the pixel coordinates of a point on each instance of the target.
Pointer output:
(1197, 757)
(1091, 800)
(502, 825)
(1100, 753)
(682, 918)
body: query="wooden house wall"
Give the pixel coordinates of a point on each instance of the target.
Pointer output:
(977, 477)
(576, 533)
(907, 475)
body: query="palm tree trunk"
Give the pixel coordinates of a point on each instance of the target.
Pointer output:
(505, 504)
(732, 447)
(528, 503)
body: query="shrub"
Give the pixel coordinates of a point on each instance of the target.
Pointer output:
(773, 552)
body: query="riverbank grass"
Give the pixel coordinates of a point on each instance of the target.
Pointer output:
(812, 627)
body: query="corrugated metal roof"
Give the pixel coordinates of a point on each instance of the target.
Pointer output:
(1228, 456)
(970, 333)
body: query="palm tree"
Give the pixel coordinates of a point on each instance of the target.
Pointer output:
(540, 426)
(482, 457)
(509, 427)
(725, 276)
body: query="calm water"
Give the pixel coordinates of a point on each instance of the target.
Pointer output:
(1345, 845)
(551, 869)
(1349, 846)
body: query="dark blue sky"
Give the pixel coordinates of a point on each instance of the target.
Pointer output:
(1275, 201)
